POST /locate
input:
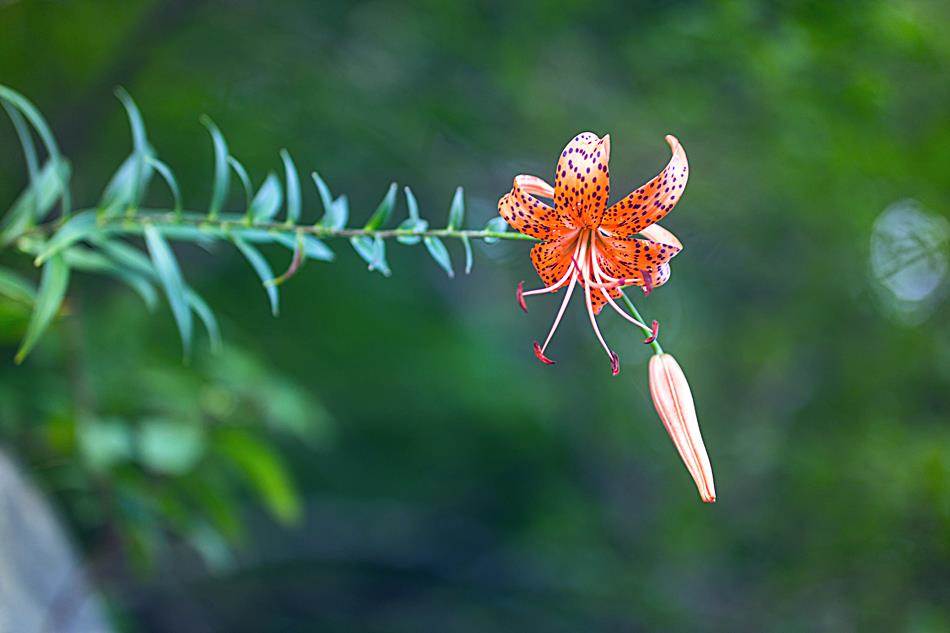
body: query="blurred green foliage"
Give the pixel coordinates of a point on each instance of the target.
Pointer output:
(464, 487)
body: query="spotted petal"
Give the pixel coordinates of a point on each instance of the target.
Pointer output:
(526, 214)
(651, 202)
(629, 254)
(552, 259)
(582, 182)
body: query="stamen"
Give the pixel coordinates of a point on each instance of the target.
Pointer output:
(614, 359)
(519, 294)
(582, 247)
(541, 357)
(560, 312)
(653, 334)
(647, 282)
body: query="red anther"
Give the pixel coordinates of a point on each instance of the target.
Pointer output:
(647, 282)
(519, 294)
(656, 330)
(614, 363)
(541, 357)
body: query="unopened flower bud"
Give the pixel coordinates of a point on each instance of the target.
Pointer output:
(674, 404)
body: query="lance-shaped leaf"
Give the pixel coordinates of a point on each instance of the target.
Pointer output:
(326, 198)
(170, 276)
(383, 211)
(206, 314)
(244, 178)
(373, 252)
(413, 223)
(35, 119)
(166, 173)
(84, 259)
(119, 192)
(293, 187)
(312, 247)
(222, 174)
(17, 288)
(467, 245)
(440, 254)
(263, 270)
(457, 210)
(49, 298)
(26, 142)
(264, 470)
(266, 203)
(76, 228)
(140, 147)
(35, 201)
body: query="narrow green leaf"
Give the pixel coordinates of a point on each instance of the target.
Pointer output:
(139, 144)
(293, 187)
(84, 259)
(341, 212)
(33, 115)
(440, 254)
(267, 202)
(170, 276)
(411, 203)
(412, 224)
(26, 142)
(17, 288)
(49, 298)
(325, 197)
(312, 247)
(76, 228)
(119, 192)
(243, 177)
(467, 244)
(222, 175)
(495, 225)
(373, 252)
(263, 270)
(384, 210)
(206, 314)
(457, 210)
(166, 173)
(264, 470)
(127, 256)
(35, 201)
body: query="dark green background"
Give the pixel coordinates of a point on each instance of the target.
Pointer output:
(458, 484)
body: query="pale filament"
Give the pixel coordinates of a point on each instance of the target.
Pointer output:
(582, 248)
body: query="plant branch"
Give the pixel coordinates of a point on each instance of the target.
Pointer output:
(221, 225)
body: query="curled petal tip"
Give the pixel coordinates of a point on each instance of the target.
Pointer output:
(674, 404)
(614, 363)
(519, 294)
(541, 357)
(653, 334)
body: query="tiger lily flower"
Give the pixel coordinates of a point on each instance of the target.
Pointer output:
(588, 244)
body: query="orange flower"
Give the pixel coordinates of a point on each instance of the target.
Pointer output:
(588, 244)
(674, 404)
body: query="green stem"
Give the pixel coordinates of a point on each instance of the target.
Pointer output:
(636, 313)
(223, 223)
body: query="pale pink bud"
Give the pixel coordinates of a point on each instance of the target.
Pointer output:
(674, 403)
